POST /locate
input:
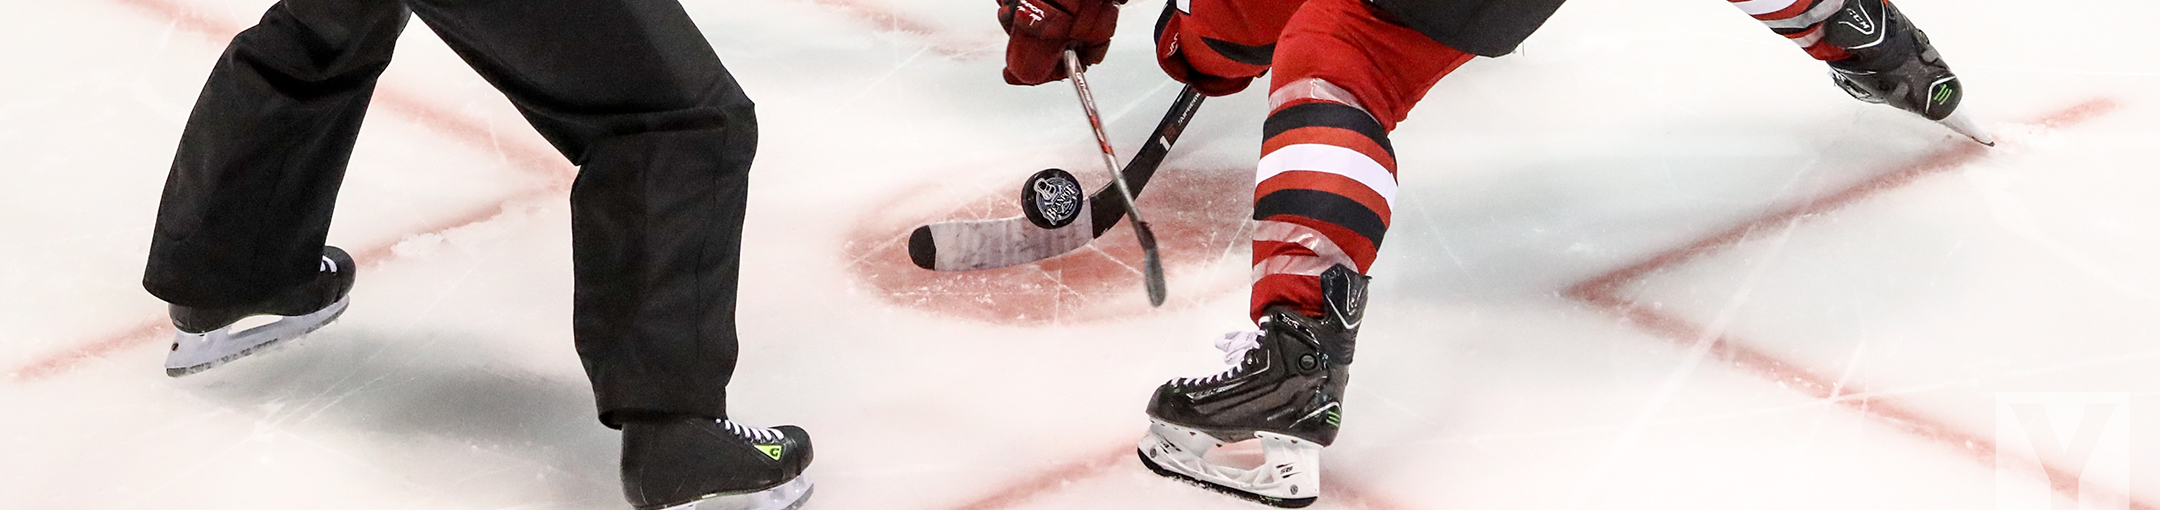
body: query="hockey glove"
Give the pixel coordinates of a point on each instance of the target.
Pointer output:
(1200, 52)
(1041, 30)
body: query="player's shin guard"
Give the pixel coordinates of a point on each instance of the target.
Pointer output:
(1286, 390)
(1875, 53)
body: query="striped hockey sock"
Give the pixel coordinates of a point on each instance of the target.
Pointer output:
(1798, 20)
(1325, 193)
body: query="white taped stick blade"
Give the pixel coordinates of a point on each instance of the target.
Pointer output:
(1005, 242)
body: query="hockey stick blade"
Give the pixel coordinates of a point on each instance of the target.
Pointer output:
(990, 244)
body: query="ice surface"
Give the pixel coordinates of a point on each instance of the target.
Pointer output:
(1863, 348)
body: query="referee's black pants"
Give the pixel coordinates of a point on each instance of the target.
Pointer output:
(629, 90)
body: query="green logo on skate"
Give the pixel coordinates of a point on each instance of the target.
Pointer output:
(1334, 417)
(771, 450)
(1942, 93)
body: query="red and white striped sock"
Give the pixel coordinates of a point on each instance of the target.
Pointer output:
(1798, 20)
(1325, 189)
(1325, 193)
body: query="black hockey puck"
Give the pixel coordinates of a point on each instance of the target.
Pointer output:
(1051, 198)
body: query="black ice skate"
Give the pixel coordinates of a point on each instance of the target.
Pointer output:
(1285, 390)
(1892, 63)
(706, 464)
(209, 337)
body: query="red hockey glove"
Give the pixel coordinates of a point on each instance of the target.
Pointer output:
(1041, 30)
(1182, 42)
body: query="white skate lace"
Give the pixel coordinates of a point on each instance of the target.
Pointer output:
(1234, 346)
(758, 434)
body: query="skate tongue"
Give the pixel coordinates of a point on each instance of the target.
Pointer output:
(1234, 345)
(1964, 125)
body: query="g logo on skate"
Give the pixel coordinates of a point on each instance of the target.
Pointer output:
(1199, 217)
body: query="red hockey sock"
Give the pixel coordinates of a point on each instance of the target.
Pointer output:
(1798, 20)
(1326, 179)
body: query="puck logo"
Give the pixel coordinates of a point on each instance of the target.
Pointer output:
(1051, 198)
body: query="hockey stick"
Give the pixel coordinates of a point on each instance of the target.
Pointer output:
(1157, 289)
(1002, 242)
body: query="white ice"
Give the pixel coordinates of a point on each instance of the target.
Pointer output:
(1623, 130)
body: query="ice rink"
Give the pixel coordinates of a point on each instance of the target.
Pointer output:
(1655, 260)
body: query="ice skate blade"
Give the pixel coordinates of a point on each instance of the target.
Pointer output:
(1963, 124)
(1289, 477)
(789, 495)
(193, 353)
(1204, 484)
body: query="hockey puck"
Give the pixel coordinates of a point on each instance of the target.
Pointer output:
(1051, 198)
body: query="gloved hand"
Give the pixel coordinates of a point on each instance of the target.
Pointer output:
(1041, 30)
(1178, 36)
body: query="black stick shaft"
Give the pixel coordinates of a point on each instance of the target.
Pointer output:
(1107, 212)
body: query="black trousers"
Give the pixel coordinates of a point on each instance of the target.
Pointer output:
(627, 89)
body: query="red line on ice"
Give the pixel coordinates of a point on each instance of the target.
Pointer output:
(1946, 159)
(1022, 491)
(55, 363)
(1599, 292)
(186, 17)
(153, 330)
(541, 161)
(872, 13)
(1602, 292)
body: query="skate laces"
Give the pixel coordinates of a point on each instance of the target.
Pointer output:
(1235, 345)
(757, 434)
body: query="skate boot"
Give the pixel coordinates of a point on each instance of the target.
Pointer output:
(1285, 389)
(706, 464)
(209, 337)
(1892, 63)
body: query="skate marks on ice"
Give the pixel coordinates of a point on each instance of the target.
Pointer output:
(1953, 155)
(1114, 474)
(158, 328)
(1608, 293)
(395, 403)
(1107, 479)
(941, 41)
(1200, 220)
(524, 153)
